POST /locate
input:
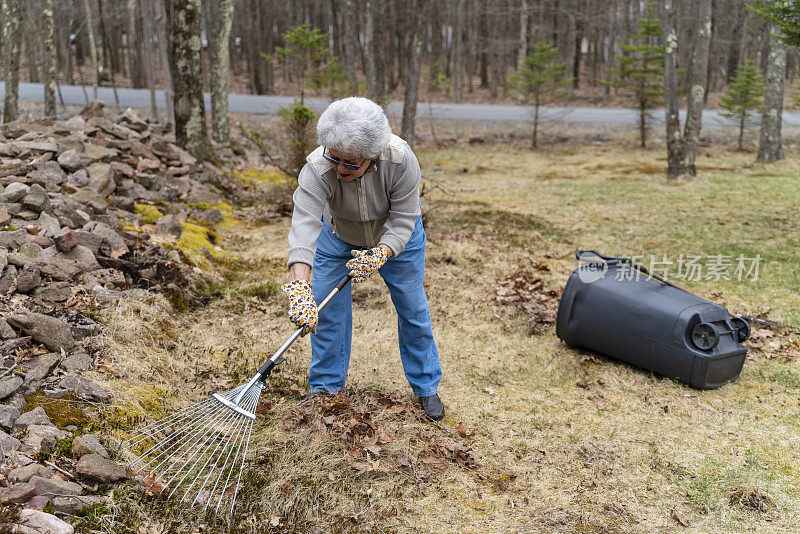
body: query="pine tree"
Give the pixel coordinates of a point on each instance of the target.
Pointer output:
(304, 51)
(744, 93)
(794, 98)
(642, 70)
(784, 14)
(541, 78)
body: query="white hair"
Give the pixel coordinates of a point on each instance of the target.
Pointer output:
(354, 126)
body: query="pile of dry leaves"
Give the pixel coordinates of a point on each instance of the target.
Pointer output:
(352, 418)
(527, 291)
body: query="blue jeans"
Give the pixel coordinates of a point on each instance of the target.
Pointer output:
(403, 275)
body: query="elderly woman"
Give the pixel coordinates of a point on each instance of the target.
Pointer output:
(357, 211)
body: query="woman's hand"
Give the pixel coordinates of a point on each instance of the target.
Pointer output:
(366, 262)
(302, 308)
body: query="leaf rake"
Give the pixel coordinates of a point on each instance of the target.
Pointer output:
(198, 454)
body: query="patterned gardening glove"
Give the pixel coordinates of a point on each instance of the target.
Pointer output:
(302, 308)
(366, 262)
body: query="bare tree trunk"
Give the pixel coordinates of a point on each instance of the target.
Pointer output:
(370, 70)
(13, 11)
(674, 139)
(699, 77)
(770, 147)
(29, 41)
(163, 49)
(190, 115)
(48, 58)
(458, 28)
(92, 48)
(348, 54)
(523, 34)
(412, 79)
(219, 25)
(149, 58)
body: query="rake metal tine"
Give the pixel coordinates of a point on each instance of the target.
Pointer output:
(177, 415)
(241, 467)
(226, 425)
(208, 434)
(208, 424)
(173, 437)
(236, 432)
(233, 466)
(174, 418)
(153, 427)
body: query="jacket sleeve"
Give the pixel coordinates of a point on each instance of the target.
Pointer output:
(309, 202)
(404, 207)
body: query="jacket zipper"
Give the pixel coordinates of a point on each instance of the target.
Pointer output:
(362, 208)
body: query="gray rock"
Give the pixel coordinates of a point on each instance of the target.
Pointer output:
(5, 217)
(83, 389)
(20, 493)
(38, 502)
(53, 333)
(37, 416)
(27, 253)
(3, 259)
(25, 473)
(81, 257)
(48, 174)
(14, 192)
(65, 239)
(59, 269)
(53, 292)
(44, 242)
(108, 278)
(25, 216)
(123, 169)
(48, 225)
(13, 239)
(8, 443)
(41, 367)
(43, 437)
(96, 467)
(36, 199)
(8, 415)
(38, 522)
(114, 244)
(71, 160)
(28, 278)
(101, 179)
(80, 361)
(9, 385)
(125, 203)
(17, 400)
(202, 193)
(6, 332)
(73, 504)
(169, 225)
(8, 279)
(89, 240)
(88, 444)
(78, 179)
(54, 485)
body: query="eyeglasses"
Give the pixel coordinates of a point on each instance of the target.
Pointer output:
(337, 162)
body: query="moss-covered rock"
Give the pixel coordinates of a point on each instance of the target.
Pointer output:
(149, 214)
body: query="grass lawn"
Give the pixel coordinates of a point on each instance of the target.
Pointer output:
(538, 437)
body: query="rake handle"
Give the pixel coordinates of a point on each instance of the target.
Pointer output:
(276, 359)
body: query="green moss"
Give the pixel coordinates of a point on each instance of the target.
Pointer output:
(64, 447)
(261, 176)
(221, 206)
(149, 214)
(194, 237)
(62, 412)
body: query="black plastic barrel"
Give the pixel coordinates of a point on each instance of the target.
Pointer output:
(611, 308)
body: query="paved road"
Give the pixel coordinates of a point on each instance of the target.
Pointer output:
(140, 98)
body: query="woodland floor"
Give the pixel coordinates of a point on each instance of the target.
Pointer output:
(538, 437)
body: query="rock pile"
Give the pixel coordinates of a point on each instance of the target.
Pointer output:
(89, 207)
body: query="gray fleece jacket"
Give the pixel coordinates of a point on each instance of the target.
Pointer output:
(380, 207)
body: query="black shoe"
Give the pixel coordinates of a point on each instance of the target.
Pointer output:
(434, 409)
